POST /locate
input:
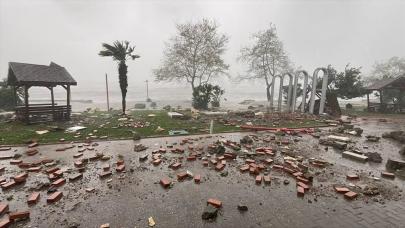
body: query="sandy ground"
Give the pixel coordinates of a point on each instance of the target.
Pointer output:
(129, 199)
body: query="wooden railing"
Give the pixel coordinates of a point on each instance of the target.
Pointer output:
(41, 111)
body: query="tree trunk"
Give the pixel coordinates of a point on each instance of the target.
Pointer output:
(268, 93)
(122, 74)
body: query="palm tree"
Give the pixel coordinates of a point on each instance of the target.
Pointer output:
(120, 51)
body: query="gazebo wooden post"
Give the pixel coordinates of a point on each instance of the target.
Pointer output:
(381, 100)
(68, 101)
(27, 112)
(368, 102)
(53, 103)
(15, 95)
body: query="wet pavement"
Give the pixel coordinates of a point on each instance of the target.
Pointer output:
(129, 199)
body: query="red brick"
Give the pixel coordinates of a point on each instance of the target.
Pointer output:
(254, 170)
(34, 198)
(350, 195)
(219, 167)
(197, 179)
(78, 163)
(15, 162)
(34, 144)
(230, 156)
(260, 153)
(249, 161)
(157, 162)
(268, 161)
(59, 182)
(51, 170)
(191, 158)
(244, 168)
(58, 173)
(277, 167)
(181, 175)
(120, 168)
(223, 162)
(52, 177)
(297, 174)
(300, 191)
(267, 179)
(221, 158)
(205, 163)
(120, 162)
(341, 189)
(78, 155)
(388, 175)
(213, 161)
(5, 223)
(106, 167)
(20, 177)
(105, 174)
(165, 182)
(31, 152)
(45, 161)
(259, 179)
(214, 202)
(175, 165)
(19, 215)
(304, 186)
(54, 197)
(2, 168)
(288, 170)
(8, 185)
(34, 169)
(75, 177)
(303, 180)
(3, 208)
(352, 177)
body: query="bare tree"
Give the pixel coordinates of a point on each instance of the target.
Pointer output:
(194, 54)
(265, 58)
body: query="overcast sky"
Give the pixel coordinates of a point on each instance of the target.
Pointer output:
(315, 32)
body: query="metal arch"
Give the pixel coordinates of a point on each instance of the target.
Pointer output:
(304, 89)
(324, 85)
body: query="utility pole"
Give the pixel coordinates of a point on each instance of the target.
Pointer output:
(108, 98)
(147, 91)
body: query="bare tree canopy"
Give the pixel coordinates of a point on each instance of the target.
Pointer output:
(194, 54)
(265, 58)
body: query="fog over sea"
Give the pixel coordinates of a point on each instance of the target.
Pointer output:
(84, 97)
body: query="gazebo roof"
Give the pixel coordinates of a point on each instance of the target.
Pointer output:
(38, 75)
(386, 83)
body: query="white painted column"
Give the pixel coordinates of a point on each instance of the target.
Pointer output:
(280, 94)
(304, 91)
(294, 98)
(312, 99)
(289, 100)
(324, 87)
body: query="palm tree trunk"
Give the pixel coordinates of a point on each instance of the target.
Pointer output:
(122, 74)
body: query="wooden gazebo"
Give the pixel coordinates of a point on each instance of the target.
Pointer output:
(383, 86)
(23, 76)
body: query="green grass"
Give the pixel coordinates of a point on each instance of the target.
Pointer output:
(361, 111)
(108, 124)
